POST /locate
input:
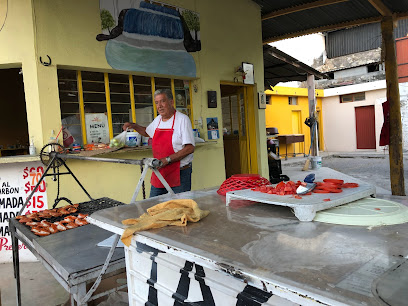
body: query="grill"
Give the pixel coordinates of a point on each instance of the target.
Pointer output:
(84, 208)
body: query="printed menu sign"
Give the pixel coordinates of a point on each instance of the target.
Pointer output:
(97, 129)
(17, 180)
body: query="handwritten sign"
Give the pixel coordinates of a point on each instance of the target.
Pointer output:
(97, 129)
(16, 183)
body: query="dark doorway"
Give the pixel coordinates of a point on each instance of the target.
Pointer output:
(365, 127)
(13, 117)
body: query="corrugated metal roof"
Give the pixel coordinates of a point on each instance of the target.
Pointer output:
(359, 39)
(321, 18)
(281, 67)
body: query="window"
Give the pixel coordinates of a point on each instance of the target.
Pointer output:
(182, 97)
(292, 100)
(117, 98)
(352, 97)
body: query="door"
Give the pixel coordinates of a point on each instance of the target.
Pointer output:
(365, 127)
(239, 141)
(297, 129)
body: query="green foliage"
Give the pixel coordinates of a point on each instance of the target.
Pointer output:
(192, 20)
(107, 20)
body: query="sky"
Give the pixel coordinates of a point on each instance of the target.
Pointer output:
(304, 48)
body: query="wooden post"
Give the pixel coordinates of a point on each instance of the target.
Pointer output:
(312, 112)
(393, 97)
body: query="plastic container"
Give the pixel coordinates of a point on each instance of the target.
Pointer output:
(31, 149)
(242, 181)
(316, 162)
(133, 139)
(145, 141)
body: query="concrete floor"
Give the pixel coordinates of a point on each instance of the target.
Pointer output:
(40, 288)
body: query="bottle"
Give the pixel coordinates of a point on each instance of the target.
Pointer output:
(32, 147)
(52, 140)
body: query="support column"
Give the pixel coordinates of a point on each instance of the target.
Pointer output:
(393, 97)
(312, 113)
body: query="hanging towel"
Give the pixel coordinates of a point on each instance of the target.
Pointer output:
(173, 212)
(385, 130)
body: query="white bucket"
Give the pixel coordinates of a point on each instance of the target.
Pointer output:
(316, 162)
(133, 139)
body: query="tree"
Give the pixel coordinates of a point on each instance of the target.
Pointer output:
(192, 20)
(107, 20)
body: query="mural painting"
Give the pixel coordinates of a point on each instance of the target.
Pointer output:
(149, 37)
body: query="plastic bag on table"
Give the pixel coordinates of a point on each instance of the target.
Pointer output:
(119, 141)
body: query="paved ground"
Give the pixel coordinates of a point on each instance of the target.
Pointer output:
(38, 285)
(373, 168)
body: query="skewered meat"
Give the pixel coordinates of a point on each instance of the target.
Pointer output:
(80, 221)
(40, 231)
(32, 223)
(24, 219)
(71, 225)
(53, 228)
(69, 219)
(60, 226)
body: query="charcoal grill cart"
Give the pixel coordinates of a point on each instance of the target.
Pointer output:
(252, 253)
(72, 256)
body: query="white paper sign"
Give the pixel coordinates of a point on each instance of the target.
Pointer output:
(17, 180)
(97, 128)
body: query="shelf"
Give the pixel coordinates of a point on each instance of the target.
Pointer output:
(19, 159)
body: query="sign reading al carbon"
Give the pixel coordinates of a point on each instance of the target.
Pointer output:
(17, 180)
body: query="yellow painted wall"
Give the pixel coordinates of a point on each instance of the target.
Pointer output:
(279, 113)
(17, 41)
(66, 31)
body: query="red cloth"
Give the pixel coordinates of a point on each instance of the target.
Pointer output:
(385, 130)
(162, 146)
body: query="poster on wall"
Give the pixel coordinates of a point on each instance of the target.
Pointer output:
(212, 128)
(149, 36)
(97, 128)
(17, 180)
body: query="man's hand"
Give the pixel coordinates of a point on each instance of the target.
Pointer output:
(138, 128)
(164, 163)
(128, 125)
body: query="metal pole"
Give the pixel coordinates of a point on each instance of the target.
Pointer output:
(163, 181)
(312, 113)
(99, 278)
(154, 161)
(77, 180)
(16, 262)
(141, 180)
(393, 97)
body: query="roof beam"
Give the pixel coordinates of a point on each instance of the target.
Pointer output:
(381, 7)
(295, 63)
(302, 7)
(337, 26)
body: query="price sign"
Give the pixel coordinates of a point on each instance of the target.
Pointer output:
(17, 181)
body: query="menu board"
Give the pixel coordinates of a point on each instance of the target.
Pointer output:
(97, 128)
(17, 180)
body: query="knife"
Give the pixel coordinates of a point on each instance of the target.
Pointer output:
(307, 185)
